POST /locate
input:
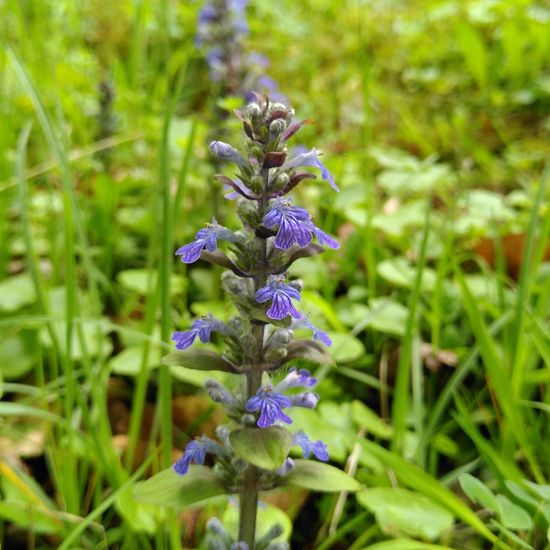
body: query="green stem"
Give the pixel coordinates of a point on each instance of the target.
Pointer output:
(249, 490)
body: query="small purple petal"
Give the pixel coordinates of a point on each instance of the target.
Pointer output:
(270, 404)
(194, 452)
(318, 448)
(311, 159)
(325, 239)
(190, 252)
(184, 339)
(307, 400)
(296, 378)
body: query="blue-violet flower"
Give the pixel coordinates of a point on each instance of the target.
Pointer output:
(207, 237)
(312, 159)
(271, 405)
(202, 328)
(318, 448)
(281, 294)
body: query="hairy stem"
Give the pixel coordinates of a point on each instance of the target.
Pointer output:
(249, 490)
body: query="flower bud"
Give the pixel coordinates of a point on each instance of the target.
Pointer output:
(254, 113)
(215, 526)
(277, 127)
(248, 420)
(279, 182)
(256, 183)
(235, 285)
(247, 212)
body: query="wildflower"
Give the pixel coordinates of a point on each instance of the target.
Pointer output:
(318, 448)
(202, 328)
(307, 400)
(271, 405)
(294, 224)
(207, 237)
(194, 452)
(281, 294)
(296, 378)
(224, 151)
(318, 334)
(324, 238)
(288, 464)
(312, 159)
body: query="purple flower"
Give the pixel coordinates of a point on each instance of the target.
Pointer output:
(296, 378)
(324, 238)
(318, 334)
(202, 328)
(239, 546)
(281, 294)
(294, 224)
(288, 464)
(271, 405)
(311, 159)
(307, 400)
(205, 238)
(194, 452)
(318, 448)
(224, 151)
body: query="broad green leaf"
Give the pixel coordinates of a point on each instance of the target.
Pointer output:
(399, 511)
(266, 448)
(317, 476)
(405, 544)
(141, 281)
(140, 516)
(198, 359)
(16, 291)
(512, 515)
(17, 355)
(369, 420)
(128, 361)
(543, 491)
(478, 492)
(174, 491)
(400, 272)
(415, 478)
(387, 316)
(345, 348)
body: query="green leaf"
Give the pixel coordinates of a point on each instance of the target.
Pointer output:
(369, 420)
(309, 350)
(141, 281)
(172, 490)
(405, 544)
(139, 516)
(198, 359)
(478, 492)
(317, 476)
(346, 348)
(417, 479)
(399, 511)
(399, 272)
(128, 361)
(266, 448)
(16, 291)
(17, 355)
(387, 316)
(512, 515)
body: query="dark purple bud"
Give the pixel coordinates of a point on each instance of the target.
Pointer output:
(293, 128)
(274, 159)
